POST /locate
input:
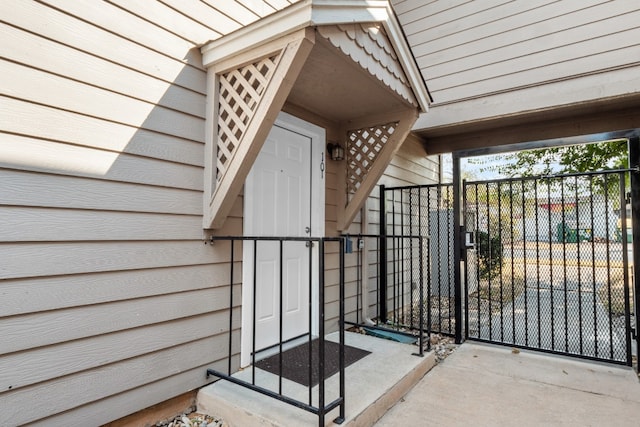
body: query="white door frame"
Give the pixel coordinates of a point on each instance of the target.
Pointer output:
(318, 169)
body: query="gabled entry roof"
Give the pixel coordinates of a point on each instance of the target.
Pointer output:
(314, 13)
(345, 61)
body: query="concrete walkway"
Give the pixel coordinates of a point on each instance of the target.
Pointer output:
(484, 385)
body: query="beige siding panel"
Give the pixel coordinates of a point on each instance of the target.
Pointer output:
(235, 11)
(58, 26)
(62, 394)
(40, 121)
(441, 12)
(48, 89)
(23, 296)
(204, 14)
(596, 54)
(232, 226)
(36, 189)
(598, 63)
(117, 20)
(500, 20)
(44, 259)
(416, 172)
(44, 156)
(538, 45)
(616, 82)
(281, 4)
(260, 7)
(62, 60)
(404, 6)
(392, 181)
(118, 405)
(535, 30)
(44, 224)
(55, 361)
(58, 326)
(109, 281)
(167, 18)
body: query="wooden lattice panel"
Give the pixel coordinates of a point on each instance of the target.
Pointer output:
(364, 146)
(240, 92)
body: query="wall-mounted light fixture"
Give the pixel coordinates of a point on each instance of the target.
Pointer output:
(336, 152)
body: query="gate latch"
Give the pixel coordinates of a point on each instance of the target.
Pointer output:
(469, 240)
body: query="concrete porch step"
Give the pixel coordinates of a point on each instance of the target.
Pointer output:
(373, 384)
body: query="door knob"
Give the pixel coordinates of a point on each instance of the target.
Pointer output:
(307, 230)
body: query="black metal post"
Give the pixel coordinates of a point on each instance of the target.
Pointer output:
(321, 337)
(634, 163)
(382, 257)
(280, 312)
(457, 247)
(253, 314)
(625, 263)
(230, 309)
(341, 325)
(466, 270)
(421, 306)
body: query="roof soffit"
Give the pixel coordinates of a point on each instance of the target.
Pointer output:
(312, 13)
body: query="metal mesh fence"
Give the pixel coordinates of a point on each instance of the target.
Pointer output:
(425, 211)
(550, 268)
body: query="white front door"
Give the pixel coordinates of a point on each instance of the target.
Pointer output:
(279, 200)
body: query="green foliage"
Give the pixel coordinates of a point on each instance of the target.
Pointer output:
(581, 158)
(490, 254)
(570, 159)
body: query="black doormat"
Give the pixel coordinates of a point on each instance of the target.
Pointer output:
(295, 361)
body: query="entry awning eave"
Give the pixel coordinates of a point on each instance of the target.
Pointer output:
(311, 13)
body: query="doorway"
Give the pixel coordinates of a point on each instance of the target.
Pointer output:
(283, 197)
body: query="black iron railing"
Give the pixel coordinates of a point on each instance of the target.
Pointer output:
(316, 250)
(392, 287)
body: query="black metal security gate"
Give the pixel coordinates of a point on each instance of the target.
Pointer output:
(545, 263)
(550, 266)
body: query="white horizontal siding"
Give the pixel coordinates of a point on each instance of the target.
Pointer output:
(48, 89)
(51, 328)
(205, 15)
(474, 49)
(112, 301)
(46, 259)
(21, 188)
(410, 166)
(28, 153)
(521, 24)
(571, 34)
(63, 394)
(32, 295)
(131, 400)
(43, 122)
(74, 64)
(82, 354)
(140, 30)
(25, 224)
(66, 29)
(601, 54)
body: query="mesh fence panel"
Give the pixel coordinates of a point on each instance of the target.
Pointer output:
(425, 211)
(550, 268)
